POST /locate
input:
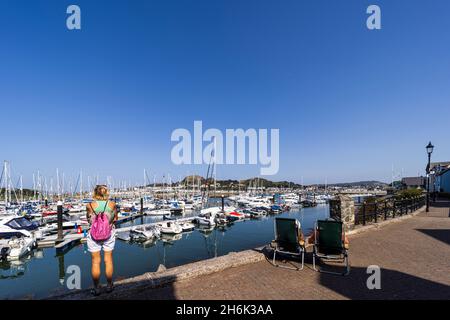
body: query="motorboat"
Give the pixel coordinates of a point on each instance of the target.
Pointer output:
(143, 232)
(49, 228)
(14, 226)
(18, 247)
(176, 207)
(221, 220)
(170, 227)
(234, 216)
(256, 212)
(158, 212)
(276, 209)
(186, 226)
(206, 220)
(211, 211)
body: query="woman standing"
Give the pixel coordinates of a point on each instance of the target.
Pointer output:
(101, 214)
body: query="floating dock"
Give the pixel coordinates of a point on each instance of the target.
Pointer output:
(71, 239)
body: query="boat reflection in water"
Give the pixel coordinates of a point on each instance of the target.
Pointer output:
(170, 239)
(41, 271)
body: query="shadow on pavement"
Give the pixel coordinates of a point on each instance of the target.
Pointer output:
(442, 235)
(394, 285)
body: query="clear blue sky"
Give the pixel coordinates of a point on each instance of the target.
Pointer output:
(349, 102)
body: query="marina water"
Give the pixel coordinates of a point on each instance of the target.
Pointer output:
(43, 272)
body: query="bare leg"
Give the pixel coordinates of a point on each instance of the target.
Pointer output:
(95, 270)
(109, 266)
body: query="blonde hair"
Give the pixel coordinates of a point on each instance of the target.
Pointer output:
(101, 192)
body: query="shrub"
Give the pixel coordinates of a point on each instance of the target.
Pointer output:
(409, 193)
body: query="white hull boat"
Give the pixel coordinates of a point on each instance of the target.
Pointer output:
(20, 247)
(170, 227)
(162, 212)
(206, 220)
(186, 226)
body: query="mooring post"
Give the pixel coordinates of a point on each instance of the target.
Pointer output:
(60, 221)
(223, 203)
(142, 205)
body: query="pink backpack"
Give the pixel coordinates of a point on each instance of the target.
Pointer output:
(101, 228)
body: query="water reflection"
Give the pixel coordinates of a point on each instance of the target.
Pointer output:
(43, 271)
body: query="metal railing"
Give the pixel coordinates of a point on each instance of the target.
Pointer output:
(378, 210)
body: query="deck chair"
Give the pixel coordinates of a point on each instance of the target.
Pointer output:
(329, 245)
(287, 241)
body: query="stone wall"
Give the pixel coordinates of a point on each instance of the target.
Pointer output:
(342, 208)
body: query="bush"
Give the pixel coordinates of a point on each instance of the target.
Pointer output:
(409, 193)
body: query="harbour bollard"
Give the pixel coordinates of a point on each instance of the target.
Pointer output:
(60, 221)
(142, 205)
(223, 202)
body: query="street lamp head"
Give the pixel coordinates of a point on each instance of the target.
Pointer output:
(430, 148)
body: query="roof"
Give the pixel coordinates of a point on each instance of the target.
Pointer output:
(443, 172)
(442, 164)
(414, 181)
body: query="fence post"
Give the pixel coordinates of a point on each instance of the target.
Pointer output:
(394, 209)
(364, 213)
(376, 211)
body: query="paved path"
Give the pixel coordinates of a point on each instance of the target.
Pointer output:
(413, 254)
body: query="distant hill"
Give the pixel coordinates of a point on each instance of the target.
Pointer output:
(366, 184)
(193, 179)
(265, 183)
(26, 193)
(253, 182)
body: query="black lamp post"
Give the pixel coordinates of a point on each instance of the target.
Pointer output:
(429, 148)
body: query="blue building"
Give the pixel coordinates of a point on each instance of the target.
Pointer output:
(442, 182)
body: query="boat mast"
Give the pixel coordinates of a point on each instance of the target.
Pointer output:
(58, 191)
(21, 188)
(5, 177)
(34, 187)
(81, 184)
